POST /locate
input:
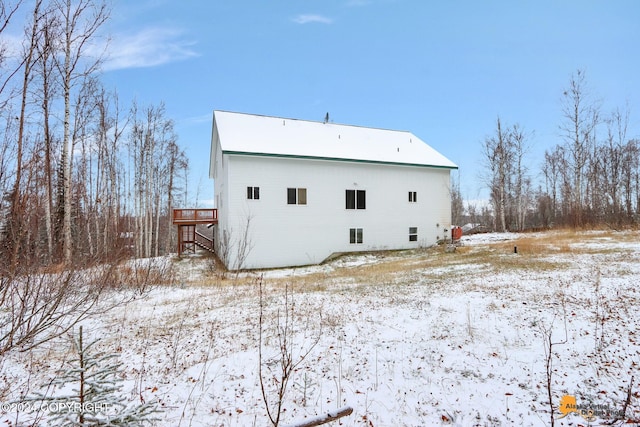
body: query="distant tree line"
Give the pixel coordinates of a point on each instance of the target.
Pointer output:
(591, 178)
(82, 178)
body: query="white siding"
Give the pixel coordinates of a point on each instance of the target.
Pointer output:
(219, 171)
(288, 235)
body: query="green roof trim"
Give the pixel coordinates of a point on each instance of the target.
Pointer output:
(335, 159)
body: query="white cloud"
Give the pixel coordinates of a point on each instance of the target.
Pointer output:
(11, 44)
(148, 48)
(204, 118)
(306, 19)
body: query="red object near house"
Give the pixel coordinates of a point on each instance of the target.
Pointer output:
(456, 233)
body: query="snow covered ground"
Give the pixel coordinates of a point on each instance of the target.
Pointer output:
(417, 338)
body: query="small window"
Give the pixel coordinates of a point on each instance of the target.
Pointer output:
(355, 199)
(291, 196)
(413, 196)
(350, 196)
(360, 199)
(253, 193)
(413, 234)
(302, 196)
(296, 196)
(355, 235)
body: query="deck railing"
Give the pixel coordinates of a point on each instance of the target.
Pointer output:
(195, 216)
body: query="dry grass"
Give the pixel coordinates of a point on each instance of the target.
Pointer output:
(140, 275)
(501, 256)
(535, 252)
(538, 244)
(564, 241)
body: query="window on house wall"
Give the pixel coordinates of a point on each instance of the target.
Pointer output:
(413, 234)
(296, 196)
(253, 193)
(302, 196)
(350, 199)
(355, 199)
(355, 235)
(413, 196)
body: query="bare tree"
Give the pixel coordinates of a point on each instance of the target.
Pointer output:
(176, 161)
(7, 153)
(457, 204)
(7, 12)
(50, 32)
(497, 155)
(37, 307)
(612, 156)
(80, 22)
(553, 170)
(590, 179)
(85, 113)
(510, 187)
(286, 361)
(62, 179)
(110, 128)
(522, 184)
(245, 244)
(581, 116)
(157, 161)
(15, 228)
(630, 173)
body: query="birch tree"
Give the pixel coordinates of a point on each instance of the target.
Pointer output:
(630, 177)
(552, 169)
(497, 154)
(82, 137)
(612, 158)
(81, 20)
(580, 118)
(44, 97)
(509, 185)
(14, 228)
(156, 161)
(62, 151)
(522, 184)
(109, 134)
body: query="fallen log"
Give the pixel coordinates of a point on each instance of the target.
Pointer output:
(323, 419)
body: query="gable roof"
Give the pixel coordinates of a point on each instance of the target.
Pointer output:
(250, 134)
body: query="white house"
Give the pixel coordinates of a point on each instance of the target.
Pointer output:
(294, 192)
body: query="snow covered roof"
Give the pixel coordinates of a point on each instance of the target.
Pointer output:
(241, 133)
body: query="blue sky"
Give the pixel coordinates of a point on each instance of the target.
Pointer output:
(444, 70)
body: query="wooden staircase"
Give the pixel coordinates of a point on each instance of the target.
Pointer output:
(188, 236)
(204, 242)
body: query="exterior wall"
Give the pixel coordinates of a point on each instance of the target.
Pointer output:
(287, 235)
(219, 171)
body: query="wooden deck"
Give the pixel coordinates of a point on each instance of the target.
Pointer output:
(195, 216)
(188, 236)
